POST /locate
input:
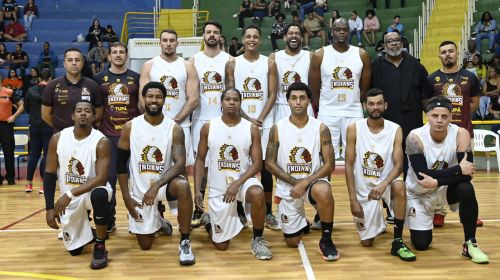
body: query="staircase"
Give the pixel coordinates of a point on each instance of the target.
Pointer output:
(445, 24)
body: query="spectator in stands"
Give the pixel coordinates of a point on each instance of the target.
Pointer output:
(471, 51)
(14, 32)
(47, 59)
(9, 9)
(14, 82)
(371, 25)
(99, 56)
(30, 12)
(223, 43)
(110, 35)
(477, 62)
(287, 4)
(274, 8)
(320, 7)
(335, 16)
(495, 63)
(7, 100)
(30, 80)
(493, 90)
(313, 28)
(246, 11)
(4, 56)
(259, 11)
(396, 25)
(380, 47)
(355, 27)
(40, 132)
(19, 59)
(235, 48)
(486, 28)
(296, 18)
(278, 30)
(96, 32)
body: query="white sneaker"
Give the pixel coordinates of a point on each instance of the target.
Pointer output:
(186, 256)
(271, 222)
(260, 249)
(60, 235)
(235, 15)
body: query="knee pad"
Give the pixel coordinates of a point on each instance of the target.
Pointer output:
(100, 205)
(421, 239)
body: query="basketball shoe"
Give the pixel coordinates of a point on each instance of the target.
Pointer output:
(328, 250)
(186, 256)
(260, 249)
(99, 257)
(471, 250)
(271, 222)
(402, 251)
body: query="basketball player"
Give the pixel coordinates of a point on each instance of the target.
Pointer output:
(255, 76)
(374, 161)
(339, 76)
(154, 144)
(300, 155)
(233, 149)
(180, 79)
(79, 158)
(119, 87)
(209, 65)
(440, 173)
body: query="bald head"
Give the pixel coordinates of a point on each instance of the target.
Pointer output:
(340, 31)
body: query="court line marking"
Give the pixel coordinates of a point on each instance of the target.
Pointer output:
(36, 275)
(22, 219)
(305, 262)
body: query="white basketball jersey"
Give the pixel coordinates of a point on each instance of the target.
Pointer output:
(76, 159)
(228, 154)
(211, 73)
(173, 75)
(150, 153)
(291, 69)
(340, 75)
(373, 161)
(438, 155)
(299, 150)
(250, 78)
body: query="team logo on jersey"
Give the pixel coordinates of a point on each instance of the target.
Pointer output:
(360, 225)
(85, 94)
(171, 85)
(217, 229)
(66, 236)
(342, 78)
(252, 89)
(412, 212)
(284, 219)
(454, 93)
(229, 158)
(289, 77)
(300, 161)
(212, 81)
(439, 164)
(151, 160)
(118, 95)
(75, 174)
(372, 165)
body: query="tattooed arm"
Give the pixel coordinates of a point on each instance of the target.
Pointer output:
(272, 158)
(327, 155)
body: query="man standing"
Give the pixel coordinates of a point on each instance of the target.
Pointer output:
(79, 158)
(154, 144)
(209, 65)
(119, 87)
(47, 59)
(374, 161)
(232, 147)
(61, 94)
(300, 155)
(180, 79)
(339, 76)
(440, 172)
(255, 76)
(462, 88)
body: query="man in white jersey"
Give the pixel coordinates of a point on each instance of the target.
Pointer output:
(373, 164)
(440, 173)
(209, 65)
(232, 147)
(339, 76)
(300, 155)
(154, 144)
(79, 158)
(255, 76)
(181, 81)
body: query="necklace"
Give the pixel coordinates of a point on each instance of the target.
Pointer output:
(450, 81)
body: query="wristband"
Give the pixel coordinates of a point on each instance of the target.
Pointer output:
(70, 194)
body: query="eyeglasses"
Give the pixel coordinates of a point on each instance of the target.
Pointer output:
(393, 41)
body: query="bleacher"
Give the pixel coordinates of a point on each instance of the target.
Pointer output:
(491, 6)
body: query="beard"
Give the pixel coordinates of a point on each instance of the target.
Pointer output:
(289, 46)
(376, 117)
(211, 45)
(153, 112)
(394, 53)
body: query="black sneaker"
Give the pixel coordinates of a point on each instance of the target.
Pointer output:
(10, 181)
(99, 257)
(195, 220)
(328, 250)
(389, 219)
(111, 227)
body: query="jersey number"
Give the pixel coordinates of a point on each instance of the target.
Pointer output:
(342, 97)
(167, 107)
(212, 100)
(252, 109)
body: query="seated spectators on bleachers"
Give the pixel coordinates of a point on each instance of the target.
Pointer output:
(98, 56)
(296, 18)
(14, 82)
(278, 30)
(470, 52)
(495, 63)
(287, 4)
(491, 90)
(335, 16)
(47, 59)
(246, 11)
(32, 79)
(19, 58)
(396, 25)
(110, 35)
(4, 56)
(320, 7)
(14, 32)
(259, 11)
(486, 28)
(235, 48)
(274, 8)
(9, 9)
(379, 48)
(477, 62)
(355, 27)
(313, 27)
(306, 6)
(96, 32)
(30, 12)
(371, 25)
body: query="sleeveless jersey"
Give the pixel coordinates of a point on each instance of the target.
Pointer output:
(228, 154)
(150, 153)
(173, 75)
(250, 78)
(340, 74)
(76, 159)
(373, 161)
(291, 69)
(211, 73)
(438, 155)
(299, 150)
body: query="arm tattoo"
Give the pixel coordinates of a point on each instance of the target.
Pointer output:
(326, 140)
(413, 145)
(273, 145)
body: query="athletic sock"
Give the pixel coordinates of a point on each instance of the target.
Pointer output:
(99, 241)
(316, 217)
(269, 208)
(257, 232)
(398, 228)
(239, 208)
(184, 236)
(326, 230)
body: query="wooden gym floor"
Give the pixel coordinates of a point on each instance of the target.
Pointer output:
(29, 249)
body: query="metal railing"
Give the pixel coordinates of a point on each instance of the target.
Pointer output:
(423, 22)
(466, 33)
(196, 7)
